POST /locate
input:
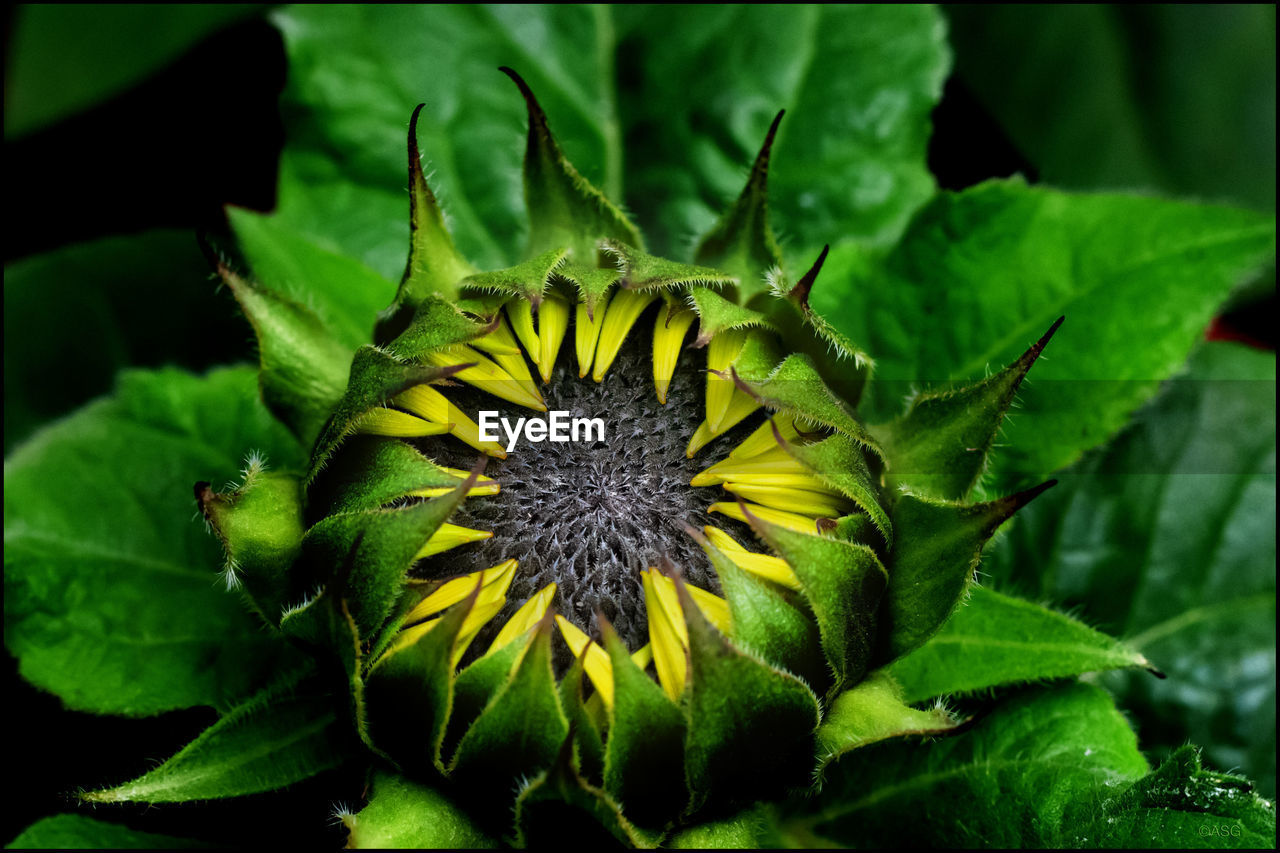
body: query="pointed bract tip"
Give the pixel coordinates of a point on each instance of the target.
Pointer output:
(535, 109)
(1033, 352)
(1012, 503)
(800, 293)
(760, 169)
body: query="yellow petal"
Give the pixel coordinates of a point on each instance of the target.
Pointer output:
(741, 404)
(462, 475)
(789, 520)
(476, 618)
(776, 461)
(397, 424)
(498, 342)
(715, 608)
(667, 633)
(513, 361)
(426, 402)
(476, 491)
(520, 313)
(721, 352)
(766, 566)
(763, 439)
(625, 308)
(802, 501)
(668, 336)
(643, 656)
(493, 582)
(529, 614)
(485, 375)
(586, 331)
(553, 321)
(450, 536)
(596, 663)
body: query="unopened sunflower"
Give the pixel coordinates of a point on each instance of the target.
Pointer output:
(639, 600)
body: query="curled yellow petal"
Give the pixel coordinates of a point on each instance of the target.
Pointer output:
(766, 566)
(721, 352)
(776, 461)
(477, 618)
(494, 584)
(451, 536)
(586, 331)
(426, 402)
(485, 375)
(790, 520)
(396, 424)
(667, 633)
(740, 405)
(520, 312)
(462, 475)
(498, 342)
(624, 309)
(553, 322)
(507, 354)
(763, 438)
(802, 501)
(668, 336)
(476, 491)
(529, 614)
(596, 663)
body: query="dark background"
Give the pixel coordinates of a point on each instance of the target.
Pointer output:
(169, 153)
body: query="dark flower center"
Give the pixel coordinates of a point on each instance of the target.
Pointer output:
(590, 516)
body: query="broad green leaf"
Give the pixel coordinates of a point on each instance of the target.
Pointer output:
(411, 816)
(283, 734)
(874, 710)
(1167, 539)
(111, 593)
(1047, 768)
(356, 74)
(857, 83)
(75, 316)
(1176, 98)
(63, 59)
(80, 832)
(994, 639)
(980, 274)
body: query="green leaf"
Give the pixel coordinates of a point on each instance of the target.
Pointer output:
(411, 816)
(744, 831)
(858, 84)
(140, 300)
(874, 710)
(59, 62)
(737, 749)
(1021, 777)
(932, 561)
(110, 595)
(79, 832)
(283, 734)
(1167, 538)
(356, 75)
(1183, 805)
(644, 752)
(1175, 98)
(521, 730)
(373, 471)
(1143, 276)
(994, 639)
